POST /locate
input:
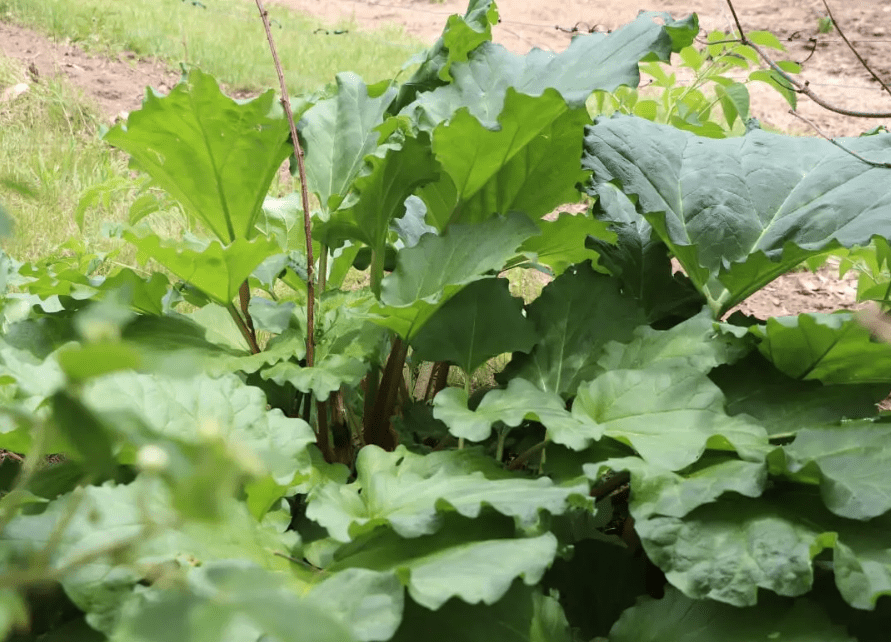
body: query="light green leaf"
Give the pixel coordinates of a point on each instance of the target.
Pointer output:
(734, 98)
(677, 617)
(339, 133)
(562, 242)
(781, 200)
(833, 348)
(435, 269)
(370, 603)
(218, 271)
(521, 400)
(181, 408)
(461, 331)
(13, 612)
(475, 560)
(657, 491)
(232, 600)
(575, 315)
(726, 550)
(409, 492)
(669, 415)
(217, 157)
(527, 163)
(853, 460)
(323, 378)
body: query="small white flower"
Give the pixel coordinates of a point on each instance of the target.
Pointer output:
(152, 459)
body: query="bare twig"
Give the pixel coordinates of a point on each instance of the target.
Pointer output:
(304, 193)
(523, 457)
(838, 144)
(243, 328)
(854, 50)
(797, 85)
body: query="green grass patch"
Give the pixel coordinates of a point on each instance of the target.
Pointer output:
(223, 37)
(50, 153)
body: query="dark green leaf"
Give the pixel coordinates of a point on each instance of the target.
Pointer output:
(563, 242)
(462, 332)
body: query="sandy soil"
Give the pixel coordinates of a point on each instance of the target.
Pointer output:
(832, 70)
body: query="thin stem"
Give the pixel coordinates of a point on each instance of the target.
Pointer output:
(499, 450)
(518, 463)
(304, 193)
(323, 440)
(800, 87)
(838, 144)
(854, 50)
(244, 296)
(466, 394)
(377, 271)
(245, 331)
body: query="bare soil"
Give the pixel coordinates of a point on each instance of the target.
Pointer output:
(118, 84)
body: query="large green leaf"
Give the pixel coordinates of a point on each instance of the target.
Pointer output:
(189, 408)
(462, 34)
(677, 617)
(368, 602)
(230, 600)
(214, 155)
(784, 405)
(852, 460)
(590, 62)
(739, 212)
(528, 162)
(575, 316)
(382, 190)
(668, 414)
(475, 560)
(461, 331)
(435, 269)
(832, 348)
(217, 270)
(726, 550)
(409, 492)
(339, 133)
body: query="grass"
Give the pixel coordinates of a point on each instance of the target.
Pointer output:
(223, 37)
(52, 153)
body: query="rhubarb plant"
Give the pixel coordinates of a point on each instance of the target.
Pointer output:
(643, 466)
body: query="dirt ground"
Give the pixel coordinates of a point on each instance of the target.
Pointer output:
(831, 69)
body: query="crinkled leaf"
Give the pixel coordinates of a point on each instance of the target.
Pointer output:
(368, 602)
(218, 271)
(575, 315)
(781, 198)
(563, 242)
(410, 492)
(339, 133)
(833, 348)
(668, 414)
(726, 550)
(229, 600)
(657, 491)
(217, 157)
(527, 163)
(591, 61)
(435, 269)
(179, 407)
(382, 190)
(677, 617)
(521, 400)
(853, 460)
(475, 560)
(461, 331)
(327, 375)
